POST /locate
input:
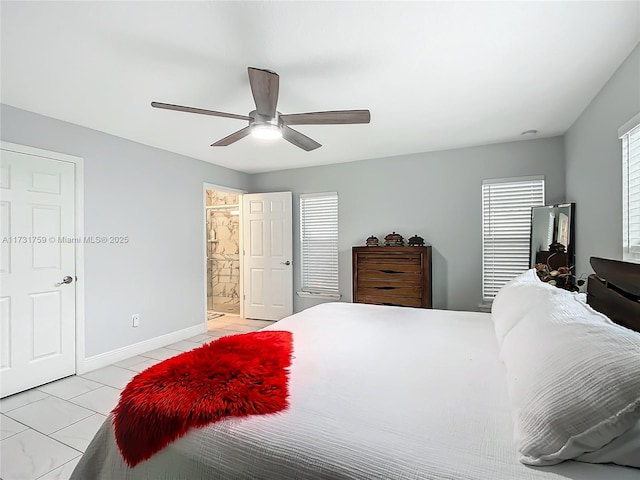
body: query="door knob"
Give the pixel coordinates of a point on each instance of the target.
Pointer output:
(66, 279)
(286, 263)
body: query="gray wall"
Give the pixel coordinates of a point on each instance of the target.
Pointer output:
(435, 195)
(594, 165)
(153, 196)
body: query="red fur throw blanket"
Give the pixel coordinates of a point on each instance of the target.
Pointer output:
(237, 375)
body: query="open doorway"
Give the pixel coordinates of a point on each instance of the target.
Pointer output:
(222, 252)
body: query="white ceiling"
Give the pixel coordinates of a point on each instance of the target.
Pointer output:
(435, 75)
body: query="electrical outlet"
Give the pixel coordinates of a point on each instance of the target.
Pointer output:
(135, 319)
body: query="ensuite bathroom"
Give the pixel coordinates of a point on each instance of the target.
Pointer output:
(223, 253)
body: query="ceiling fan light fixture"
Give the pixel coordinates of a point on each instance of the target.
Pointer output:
(266, 131)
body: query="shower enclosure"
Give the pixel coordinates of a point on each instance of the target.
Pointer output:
(223, 252)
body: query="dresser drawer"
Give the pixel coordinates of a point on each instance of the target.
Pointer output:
(382, 284)
(391, 290)
(393, 301)
(385, 276)
(390, 266)
(378, 259)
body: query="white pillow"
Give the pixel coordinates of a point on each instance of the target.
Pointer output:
(517, 298)
(573, 378)
(624, 450)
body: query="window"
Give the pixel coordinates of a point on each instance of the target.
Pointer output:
(506, 229)
(631, 190)
(319, 241)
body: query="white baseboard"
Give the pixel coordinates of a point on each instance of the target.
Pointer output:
(119, 354)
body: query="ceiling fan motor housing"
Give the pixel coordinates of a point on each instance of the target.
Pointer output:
(257, 119)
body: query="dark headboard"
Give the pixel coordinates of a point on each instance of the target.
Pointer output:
(615, 291)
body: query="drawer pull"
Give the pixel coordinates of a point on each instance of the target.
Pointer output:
(386, 288)
(391, 304)
(390, 271)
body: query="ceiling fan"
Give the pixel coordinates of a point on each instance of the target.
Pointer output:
(266, 122)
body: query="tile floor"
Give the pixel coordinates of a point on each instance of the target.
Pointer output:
(45, 430)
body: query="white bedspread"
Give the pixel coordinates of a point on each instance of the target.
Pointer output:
(376, 393)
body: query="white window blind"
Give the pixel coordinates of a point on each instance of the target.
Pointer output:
(319, 239)
(506, 229)
(631, 195)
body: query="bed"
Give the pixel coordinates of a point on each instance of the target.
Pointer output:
(381, 392)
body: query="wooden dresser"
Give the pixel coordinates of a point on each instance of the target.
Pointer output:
(392, 276)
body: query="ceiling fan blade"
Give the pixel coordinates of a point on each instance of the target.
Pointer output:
(298, 139)
(234, 137)
(202, 111)
(327, 118)
(264, 87)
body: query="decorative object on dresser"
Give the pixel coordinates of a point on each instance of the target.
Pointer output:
(563, 277)
(399, 276)
(416, 241)
(394, 240)
(372, 241)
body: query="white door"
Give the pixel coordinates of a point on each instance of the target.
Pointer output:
(37, 311)
(268, 255)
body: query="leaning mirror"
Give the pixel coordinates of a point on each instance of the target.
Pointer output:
(552, 236)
